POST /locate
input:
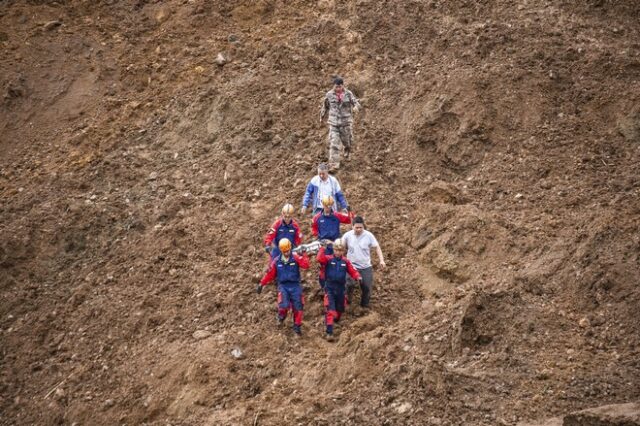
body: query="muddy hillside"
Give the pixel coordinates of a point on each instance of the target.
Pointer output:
(146, 146)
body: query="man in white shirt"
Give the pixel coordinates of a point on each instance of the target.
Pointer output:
(359, 243)
(321, 185)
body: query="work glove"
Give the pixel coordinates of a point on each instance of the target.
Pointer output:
(259, 288)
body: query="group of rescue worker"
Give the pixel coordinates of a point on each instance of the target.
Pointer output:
(338, 257)
(344, 261)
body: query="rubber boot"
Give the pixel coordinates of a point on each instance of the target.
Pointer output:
(329, 333)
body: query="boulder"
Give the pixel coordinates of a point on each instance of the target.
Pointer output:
(606, 415)
(629, 126)
(445, 193)
(201, 334)
(555, 421)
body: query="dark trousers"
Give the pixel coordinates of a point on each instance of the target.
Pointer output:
(333, 304)
(365, 288)
(291, 297)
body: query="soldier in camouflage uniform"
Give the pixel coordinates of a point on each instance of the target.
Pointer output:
(340, 103)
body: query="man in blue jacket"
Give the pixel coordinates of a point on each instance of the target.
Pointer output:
(321, 186)
(326, 227)
(285, 269)
(336, 267)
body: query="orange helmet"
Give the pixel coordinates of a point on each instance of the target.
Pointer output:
(284, 245)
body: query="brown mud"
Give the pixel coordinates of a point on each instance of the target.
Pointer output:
(146, 146)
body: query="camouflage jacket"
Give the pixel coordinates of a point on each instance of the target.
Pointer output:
(340, 113)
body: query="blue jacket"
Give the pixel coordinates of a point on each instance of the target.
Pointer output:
(288, 273)
(327, 227)
(336, 271)
(312, 194)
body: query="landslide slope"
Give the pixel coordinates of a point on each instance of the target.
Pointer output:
(496, 160)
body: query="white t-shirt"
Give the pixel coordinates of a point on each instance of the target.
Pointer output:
(324, 188)
(359, 248)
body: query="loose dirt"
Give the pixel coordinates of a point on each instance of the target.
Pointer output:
(496, 160)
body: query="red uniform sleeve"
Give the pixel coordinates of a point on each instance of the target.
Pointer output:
(271, 235)
(303, 261)
(322, 258)
(298, 237)
(343, 217)
(270, 275)
(353, 272)
(314, 225)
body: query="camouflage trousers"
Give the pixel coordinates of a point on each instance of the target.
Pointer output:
(339, 137)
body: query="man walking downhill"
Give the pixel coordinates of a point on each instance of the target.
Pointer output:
(286, 270)
(321, 186)
(340, 103)
(336, 267)
(285, 227)
(326, 228)
(359, 243)
(326, 224)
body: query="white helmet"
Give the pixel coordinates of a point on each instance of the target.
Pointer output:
(287, 210)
